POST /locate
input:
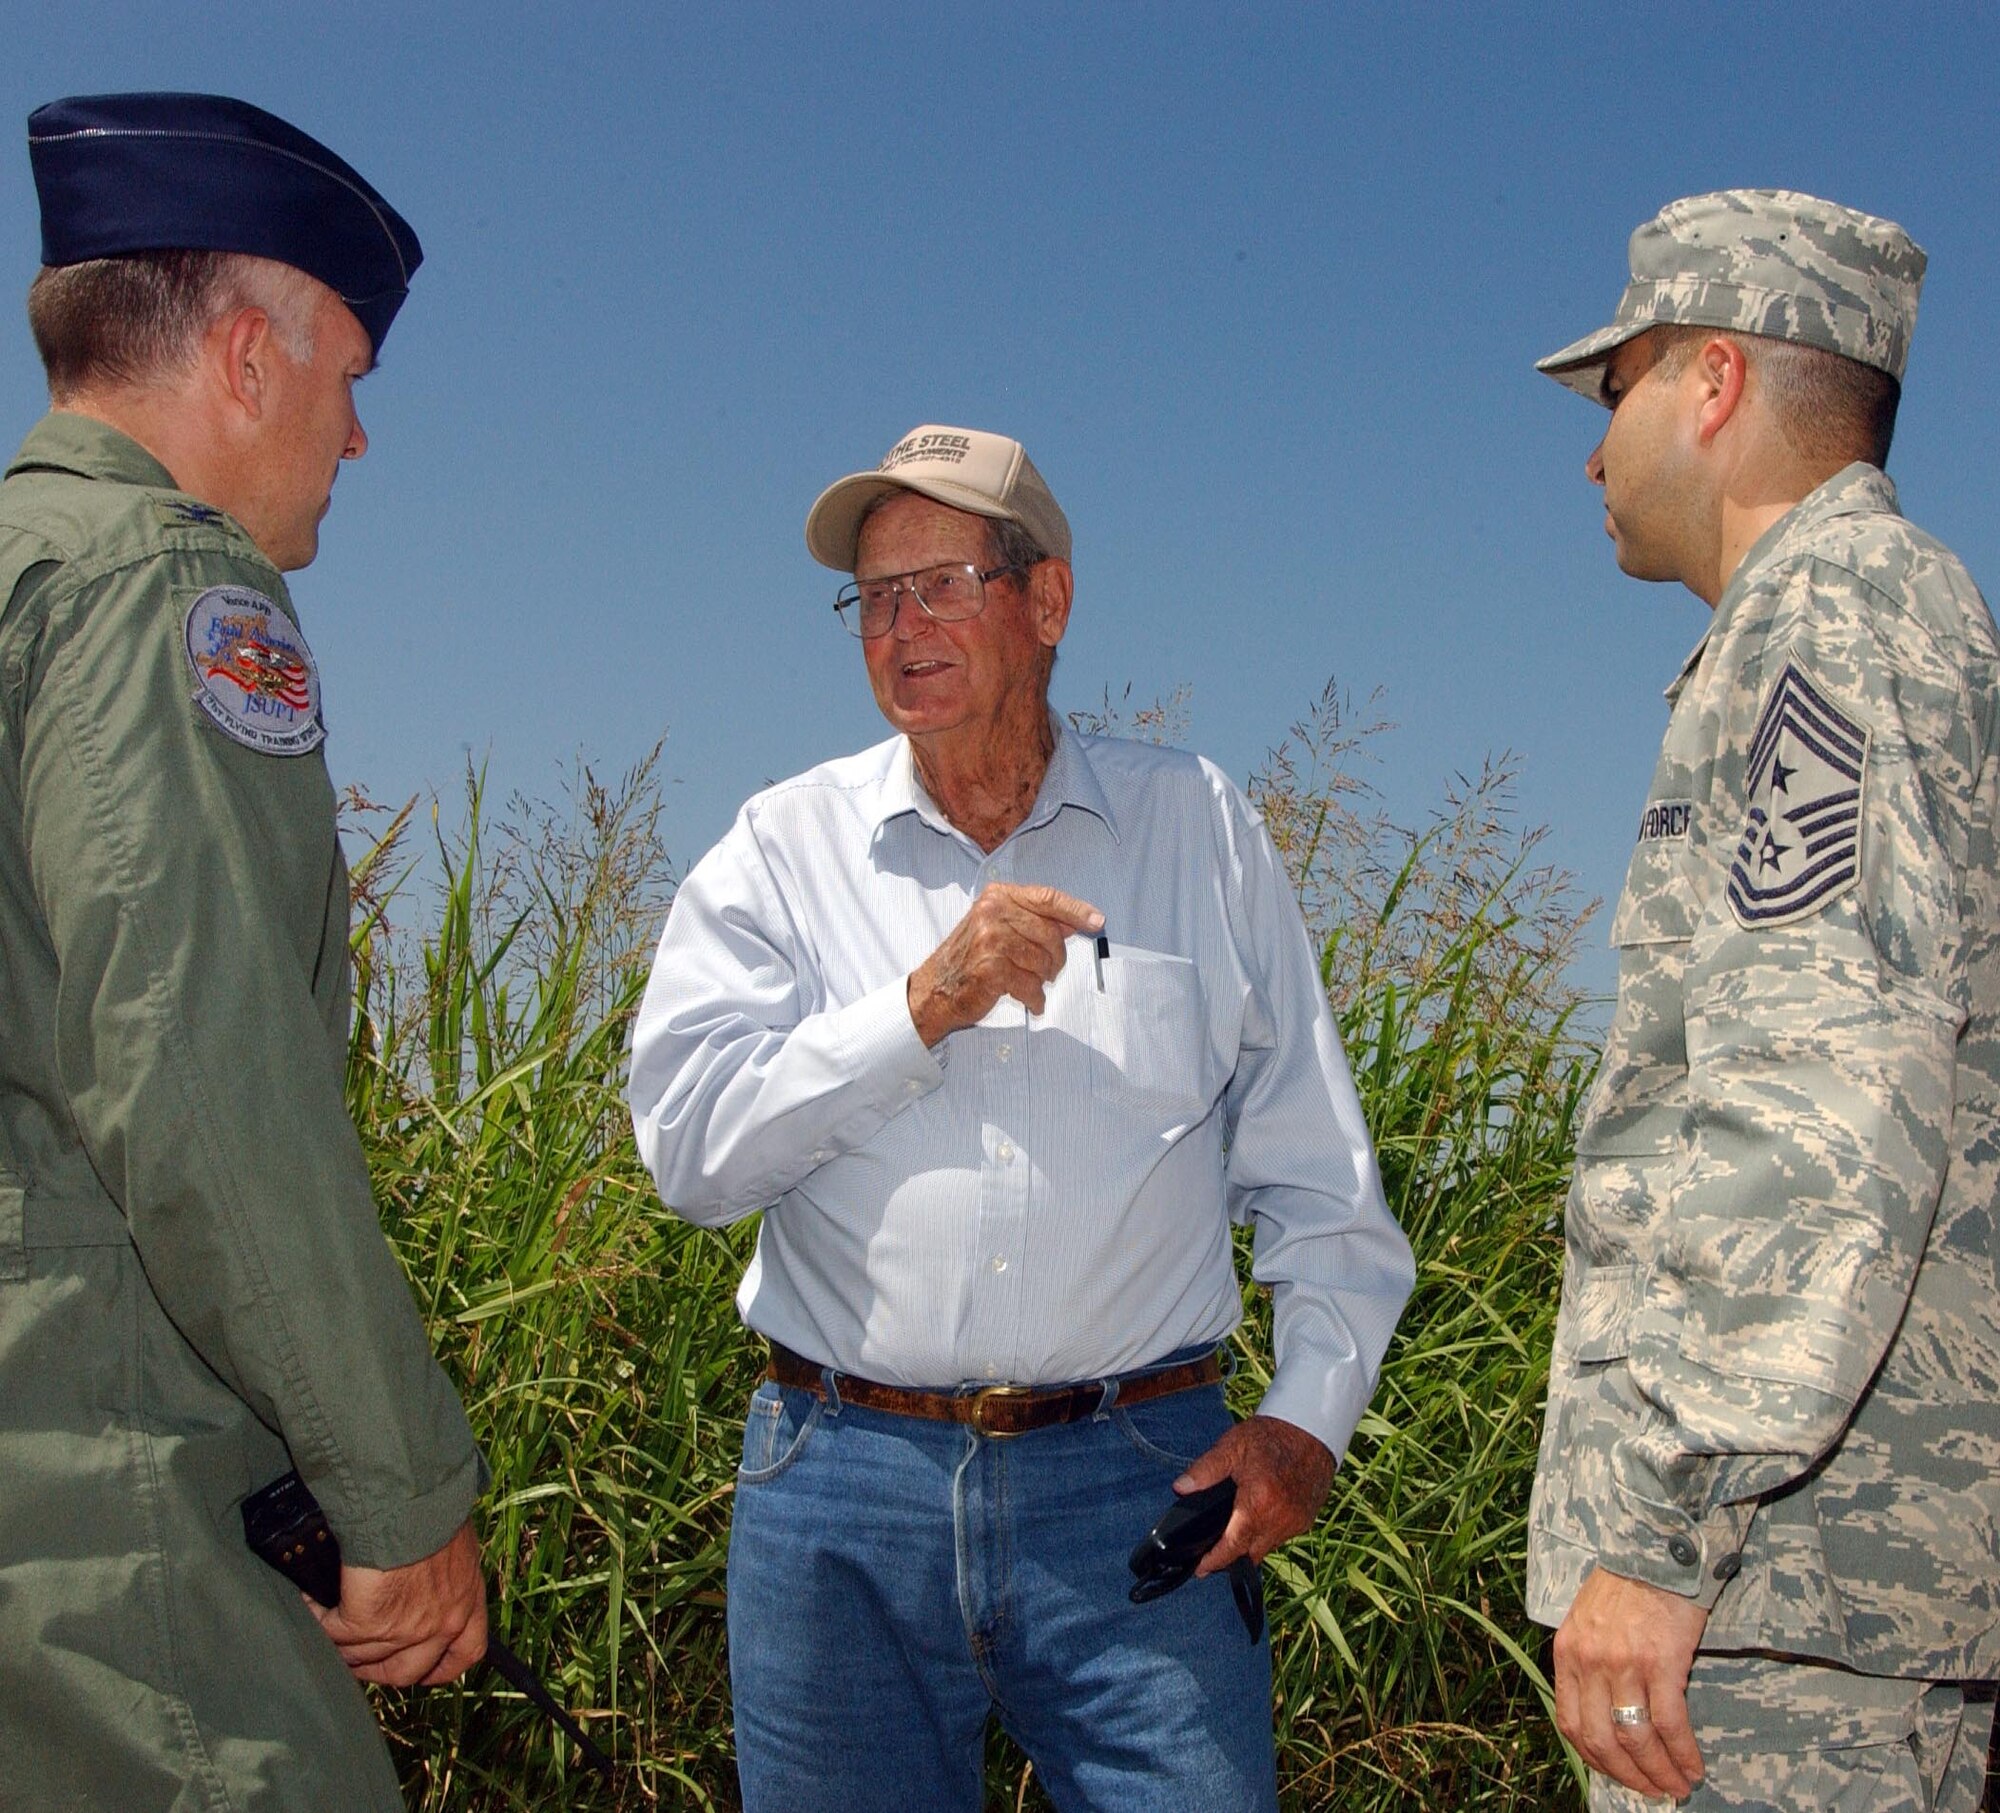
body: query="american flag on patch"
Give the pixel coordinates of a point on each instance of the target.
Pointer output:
(258, 667)
(1801, 845)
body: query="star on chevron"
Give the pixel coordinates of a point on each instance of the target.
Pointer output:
(1780, 774)
(1770, 852)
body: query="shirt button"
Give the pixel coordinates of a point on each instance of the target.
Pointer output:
(1729, 1567)
(1683, 1551)
(1005, 1052)
(999, 1262)
(914, 1087)
(1006, 1153)
(990, 1370)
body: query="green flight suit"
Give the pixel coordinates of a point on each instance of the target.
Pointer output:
(195, 1293)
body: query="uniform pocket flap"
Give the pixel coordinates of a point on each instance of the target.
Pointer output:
(1599, 1312)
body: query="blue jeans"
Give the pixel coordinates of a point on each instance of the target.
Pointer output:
(894, 1582)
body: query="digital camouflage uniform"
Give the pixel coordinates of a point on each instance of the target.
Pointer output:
(195, 1293)
(1776, 1379)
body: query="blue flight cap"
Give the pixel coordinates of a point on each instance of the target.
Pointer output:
(123, 173)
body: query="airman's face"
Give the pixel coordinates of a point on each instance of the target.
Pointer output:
(1643, 462)
(310, 427)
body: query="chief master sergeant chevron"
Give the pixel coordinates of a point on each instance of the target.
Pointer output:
(1767, 1515)
(195, 1295)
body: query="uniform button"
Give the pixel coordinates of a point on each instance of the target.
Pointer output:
(1006, 1153)
(1729, 1567)
(1005, 1052)
(914, 1087)
(1683, 1551)
(999, 1262)
(991, 1371)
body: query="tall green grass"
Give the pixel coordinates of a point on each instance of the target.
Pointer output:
(595, 1340)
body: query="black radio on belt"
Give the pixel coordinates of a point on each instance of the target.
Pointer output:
(284, 1525)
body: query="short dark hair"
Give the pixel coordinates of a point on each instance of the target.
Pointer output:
(1832, 409)
(137, 318)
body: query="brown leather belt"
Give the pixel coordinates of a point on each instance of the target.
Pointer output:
(998, 1409)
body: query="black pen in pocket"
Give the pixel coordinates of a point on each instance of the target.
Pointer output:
(1100, 951)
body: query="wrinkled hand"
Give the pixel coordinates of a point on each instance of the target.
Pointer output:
(1010, 943)
(1625, 1643)
(1282, 1478)
(420, 1625)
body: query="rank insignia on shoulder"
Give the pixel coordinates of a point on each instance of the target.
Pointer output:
(185, 513)
(255, 679)
(1801, 843)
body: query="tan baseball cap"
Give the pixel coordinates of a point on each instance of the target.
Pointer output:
(987, 474)
(1763, 261)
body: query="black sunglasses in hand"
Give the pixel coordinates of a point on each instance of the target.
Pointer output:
(1169, 1552)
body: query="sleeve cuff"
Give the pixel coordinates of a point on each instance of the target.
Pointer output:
(1663, 1546)
(410, 1531)
(1325, 1399)
(879, 1042)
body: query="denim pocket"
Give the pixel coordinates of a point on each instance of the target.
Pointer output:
(1178, 1429)
(775, 1432)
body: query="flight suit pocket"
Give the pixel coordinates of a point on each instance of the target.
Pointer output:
(1149, 1032)
(13, 1234)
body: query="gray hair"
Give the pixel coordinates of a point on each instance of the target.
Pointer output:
(139, 319)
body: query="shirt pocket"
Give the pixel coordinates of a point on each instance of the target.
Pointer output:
(1598, 1311)
(1149, 1043)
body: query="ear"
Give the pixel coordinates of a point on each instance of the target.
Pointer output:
(246, 347)
(1051, 586)
(1718, 371)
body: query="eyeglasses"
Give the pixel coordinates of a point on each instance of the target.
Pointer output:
(949, 594)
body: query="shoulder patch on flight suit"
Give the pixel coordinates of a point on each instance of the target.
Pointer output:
(255, 679)
(1801, 843)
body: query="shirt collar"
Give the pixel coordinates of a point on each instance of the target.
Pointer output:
(1855, 490)
(65, 442)
(1069, 781)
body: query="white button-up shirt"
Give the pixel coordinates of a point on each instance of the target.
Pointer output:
(1042, 1197)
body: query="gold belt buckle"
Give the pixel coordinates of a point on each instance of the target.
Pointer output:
(980, 1399)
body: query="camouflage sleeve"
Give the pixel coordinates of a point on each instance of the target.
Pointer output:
(194, 895)
(1825, 990)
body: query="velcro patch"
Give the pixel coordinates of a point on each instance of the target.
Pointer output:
(255, 678)
(1801, 844)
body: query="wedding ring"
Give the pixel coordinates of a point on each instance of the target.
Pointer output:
(1630, 1715)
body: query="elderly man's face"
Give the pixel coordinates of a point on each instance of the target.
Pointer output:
(932, 677)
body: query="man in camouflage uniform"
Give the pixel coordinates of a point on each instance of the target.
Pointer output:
(195, 1295)
(1767, 1514)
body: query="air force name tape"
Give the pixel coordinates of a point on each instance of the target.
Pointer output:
(1801, 845)
(254, 676)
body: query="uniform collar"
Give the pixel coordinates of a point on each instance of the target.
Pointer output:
(1855, 490)
(64, 442)
(1069, 781)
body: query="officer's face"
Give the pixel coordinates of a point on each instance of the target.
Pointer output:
(310, 427)
(1644, 463)
(931, 677)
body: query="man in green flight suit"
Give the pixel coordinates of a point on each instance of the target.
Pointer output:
(1767, 1515)
(195, 1294)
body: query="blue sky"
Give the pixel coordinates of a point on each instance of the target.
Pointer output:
(1259, 288)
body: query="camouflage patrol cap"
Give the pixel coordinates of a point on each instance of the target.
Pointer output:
(1763, 261)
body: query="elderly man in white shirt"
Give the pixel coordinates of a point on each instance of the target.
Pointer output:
(1002, 1026)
